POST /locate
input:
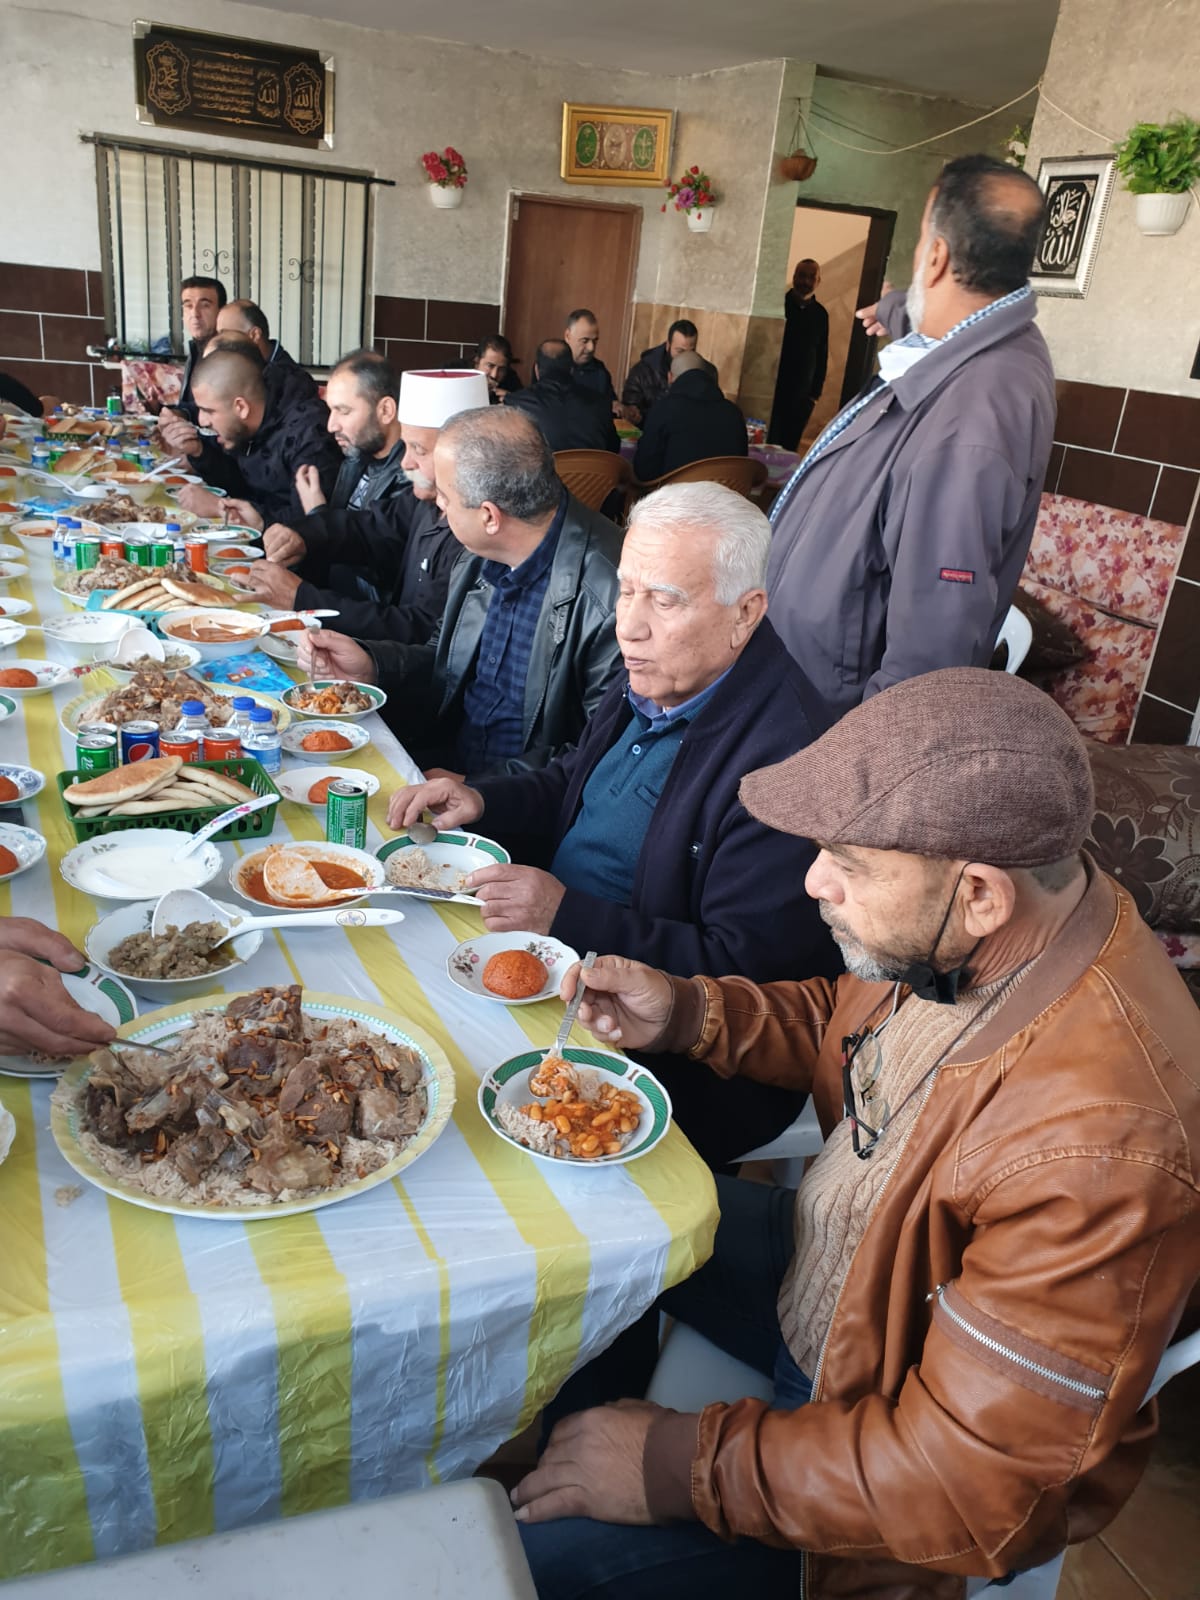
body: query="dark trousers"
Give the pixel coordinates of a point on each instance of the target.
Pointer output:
(732, 1302)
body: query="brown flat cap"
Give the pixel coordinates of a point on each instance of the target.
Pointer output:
(964, 764)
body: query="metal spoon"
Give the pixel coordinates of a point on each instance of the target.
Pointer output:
(572, 1011)
(422, 832)
(183, 906)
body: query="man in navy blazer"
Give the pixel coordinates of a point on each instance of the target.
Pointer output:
(634, 842)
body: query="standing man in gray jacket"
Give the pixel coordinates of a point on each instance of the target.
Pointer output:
(899, 540)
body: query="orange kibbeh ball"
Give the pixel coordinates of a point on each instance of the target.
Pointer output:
(514, 974)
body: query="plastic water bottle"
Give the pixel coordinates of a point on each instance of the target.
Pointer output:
(40, 454)
(174, 532)
(145, 454)
(60, 546)
(243, 705)
(263, 742)
(186, 738)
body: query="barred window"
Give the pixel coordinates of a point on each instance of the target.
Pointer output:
(295, 240)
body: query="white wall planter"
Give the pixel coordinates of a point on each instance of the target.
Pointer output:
(700, 221)
(1160, 213)
(445, 199)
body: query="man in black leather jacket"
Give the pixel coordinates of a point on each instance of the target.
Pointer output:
(527, 643)
(570, 416)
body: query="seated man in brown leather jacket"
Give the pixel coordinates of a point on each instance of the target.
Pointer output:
(964, 1303)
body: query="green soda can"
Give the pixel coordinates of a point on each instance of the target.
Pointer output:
(138, 553)
(87, 554)
(346, 814)
(162, 552)
(97, 749)
(112, 405)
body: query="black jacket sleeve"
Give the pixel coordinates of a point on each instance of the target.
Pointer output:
(650, 457)
(374, 536)
(640, 387)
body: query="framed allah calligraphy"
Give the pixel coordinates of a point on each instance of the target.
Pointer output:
(615, 144)
(1076, 191)
(207, 83)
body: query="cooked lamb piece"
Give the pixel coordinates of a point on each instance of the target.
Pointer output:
(403, 1067)
(104, 1117)
(262, 1058)
(275, 1011)
(282, 1164)
(300, 1082)
(380, 1114)
(130, 1074)
(195, 1153)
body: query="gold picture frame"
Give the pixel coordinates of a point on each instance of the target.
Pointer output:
(626, 145)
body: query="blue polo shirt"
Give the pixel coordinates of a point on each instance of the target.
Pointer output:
(494, 702)
(599, 853)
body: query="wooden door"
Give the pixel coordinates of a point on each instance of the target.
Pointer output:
(563, 255)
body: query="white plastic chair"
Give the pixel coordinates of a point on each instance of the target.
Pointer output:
(1017, 634)
(693, 1373)
(788, 1151)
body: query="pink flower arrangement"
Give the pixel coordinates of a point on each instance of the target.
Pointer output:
(448, 170)
(693, 192)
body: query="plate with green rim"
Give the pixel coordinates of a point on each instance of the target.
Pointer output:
(451, 855)
(94, 990)
(160, 1027)
(8, 706)
(508, 1084)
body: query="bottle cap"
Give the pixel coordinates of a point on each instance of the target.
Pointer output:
(261, 714)
(192, 708)
(243, 702)
(174, 527)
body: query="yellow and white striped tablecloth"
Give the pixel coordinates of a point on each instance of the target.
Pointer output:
(162, 1378)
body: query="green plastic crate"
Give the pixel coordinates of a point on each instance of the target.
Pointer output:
(244, 768)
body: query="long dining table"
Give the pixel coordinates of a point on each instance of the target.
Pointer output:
(164, 1377)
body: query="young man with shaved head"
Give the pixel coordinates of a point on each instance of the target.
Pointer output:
(900, 537)
(262, 439)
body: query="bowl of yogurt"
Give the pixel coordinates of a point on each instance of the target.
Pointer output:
(137, 865)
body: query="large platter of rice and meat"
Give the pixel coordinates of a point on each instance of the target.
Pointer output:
(266, 1104)
(586, 1107)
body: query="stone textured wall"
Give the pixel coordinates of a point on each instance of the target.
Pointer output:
(1140, 322)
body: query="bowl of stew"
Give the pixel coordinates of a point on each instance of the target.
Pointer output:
(339, 866)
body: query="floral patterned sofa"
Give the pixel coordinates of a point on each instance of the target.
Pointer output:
(1106, 575)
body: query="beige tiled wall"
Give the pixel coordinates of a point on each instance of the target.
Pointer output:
(722, 337)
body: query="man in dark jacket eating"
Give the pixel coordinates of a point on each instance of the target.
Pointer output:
(650, 852)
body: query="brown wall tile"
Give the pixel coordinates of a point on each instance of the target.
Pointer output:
(1053, 468)
(95, 293)
(1173, 498)
(67, 338)
(407, 353)
(1108, 480)
(66, 380)
(462, 320)
(1088, 414)
(21, 334)
(25, 288)
(1175, 671)
(397, 318)
(1161, 427)
(1156, 723)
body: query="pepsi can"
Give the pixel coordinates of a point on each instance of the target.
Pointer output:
(139, 741)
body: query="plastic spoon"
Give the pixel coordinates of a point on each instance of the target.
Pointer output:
(183, 906)
(222, 821)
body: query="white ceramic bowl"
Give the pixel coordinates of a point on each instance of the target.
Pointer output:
(252, 629)
(466, 962)
(49, 675)
(81, 633)
(508, 1084)
(136, 918)
(36, 535)
(361, 860)
(291, 697)
(10, 571)
(10, 606)
(78, 864)
(189, 652)
(29, 781)
(294, 785)
(359, 739)
(26, 844)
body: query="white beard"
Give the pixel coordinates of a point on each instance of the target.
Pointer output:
(914, 300)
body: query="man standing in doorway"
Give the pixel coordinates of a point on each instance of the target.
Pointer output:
(803, 358)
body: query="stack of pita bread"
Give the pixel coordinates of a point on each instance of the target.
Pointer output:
(155, 592)
(164, 783)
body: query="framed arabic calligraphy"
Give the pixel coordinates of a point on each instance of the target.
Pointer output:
(625, 145)
(207, 83)
(1076, 191)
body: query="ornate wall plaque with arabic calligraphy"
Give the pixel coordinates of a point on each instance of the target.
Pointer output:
(615, 144)
(1076, 192)
(207, 83)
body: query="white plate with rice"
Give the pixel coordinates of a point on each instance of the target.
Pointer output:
(505, 1091)
(440, 865)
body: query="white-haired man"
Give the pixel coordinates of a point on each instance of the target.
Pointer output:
(648, 849)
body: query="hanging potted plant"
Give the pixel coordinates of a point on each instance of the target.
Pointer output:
(799, 166)
(446, 175)
(694, 194)
(1159, 163)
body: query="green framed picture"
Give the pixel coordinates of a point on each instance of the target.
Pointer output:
(627, 145)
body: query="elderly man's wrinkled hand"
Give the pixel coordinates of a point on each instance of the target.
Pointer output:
(284, 545)
(516, 899)
(592, 1467)
(272, 583)
(323, 654)
(451, 803)
(627, 1001)
(37, 1013)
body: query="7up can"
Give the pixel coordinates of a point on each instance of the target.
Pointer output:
(346, 814)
